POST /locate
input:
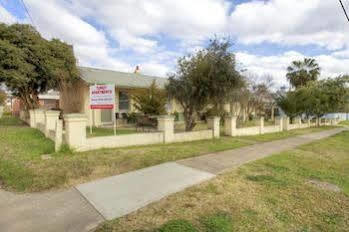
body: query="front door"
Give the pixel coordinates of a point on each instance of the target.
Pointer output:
(106, 116)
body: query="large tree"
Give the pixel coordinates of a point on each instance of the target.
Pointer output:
(208, 77)
(30, 64)
(299, 73)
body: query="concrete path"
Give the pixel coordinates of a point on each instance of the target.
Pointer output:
(219, 162)
(83, 208)
(119, 195)
(61, 211)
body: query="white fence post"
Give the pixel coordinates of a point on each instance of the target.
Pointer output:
(261, 125)
(279, 122)
(166, 125)
(286, 121)
(32, 121)
(58, 135)
(230, 125)
(214, 125)
(51, 117)
(75, 130)
(1, 111)
(40, 119)
(299, 121)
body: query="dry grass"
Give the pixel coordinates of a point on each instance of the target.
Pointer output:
(272, 194)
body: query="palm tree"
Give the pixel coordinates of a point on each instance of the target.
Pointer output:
(299, 73)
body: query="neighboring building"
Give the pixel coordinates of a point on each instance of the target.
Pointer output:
(124, 83)
(47, 101)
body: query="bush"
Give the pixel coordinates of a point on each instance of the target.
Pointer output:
(176, 116)
(132, 118)
(220, 222)
(177, 226)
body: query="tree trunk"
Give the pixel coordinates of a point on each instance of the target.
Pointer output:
(189, 119)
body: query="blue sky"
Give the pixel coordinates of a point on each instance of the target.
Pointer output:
(121, 34)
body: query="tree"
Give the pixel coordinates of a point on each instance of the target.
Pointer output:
(317, 98)
(30, 64)
(254, 96)
(299, 73)
(207, 77)
(150, 101)
(3, 97)
(65, 76)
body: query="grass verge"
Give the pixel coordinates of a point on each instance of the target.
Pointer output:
(272, 194)
(286, 134)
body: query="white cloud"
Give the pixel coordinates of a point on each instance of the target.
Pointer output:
(141, 26)
(6, 17)
(155, 69)
(90, 45)
(297, 22)
(132, 22)
(276, 66)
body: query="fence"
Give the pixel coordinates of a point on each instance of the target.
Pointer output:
(48, 123)
(281, 124)
(1, 111)
(76, 124)
(75, 130)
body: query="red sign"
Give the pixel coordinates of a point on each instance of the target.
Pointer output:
(102, 96)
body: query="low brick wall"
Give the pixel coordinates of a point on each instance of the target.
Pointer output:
(41, 127)
(122, 141)
(248, 131)
(192, 136)
(293, 126)
(272, 129)
(52, 135)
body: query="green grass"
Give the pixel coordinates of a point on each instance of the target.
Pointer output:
(98, 131)
(271, 194)
(285, 134)
(7, 120)
(344, 123)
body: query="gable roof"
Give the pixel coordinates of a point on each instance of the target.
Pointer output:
(120, 79)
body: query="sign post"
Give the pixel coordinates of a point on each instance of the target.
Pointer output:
(103, 97)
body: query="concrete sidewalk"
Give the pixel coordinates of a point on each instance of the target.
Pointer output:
(219, 162)
(83, 208)
(60, 211)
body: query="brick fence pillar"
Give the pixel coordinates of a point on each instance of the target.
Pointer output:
(214, 125)
(166, 125)
(286, 122)
(51, 117)
(261, 125)
(75, 130)
(32, 122)
(230, 125)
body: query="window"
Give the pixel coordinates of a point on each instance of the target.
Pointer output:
(124, 101)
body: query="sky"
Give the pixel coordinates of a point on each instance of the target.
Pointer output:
(267, 34)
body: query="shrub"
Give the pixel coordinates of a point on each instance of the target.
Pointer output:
(176, 116)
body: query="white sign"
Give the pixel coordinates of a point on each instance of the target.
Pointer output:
(102, 96)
